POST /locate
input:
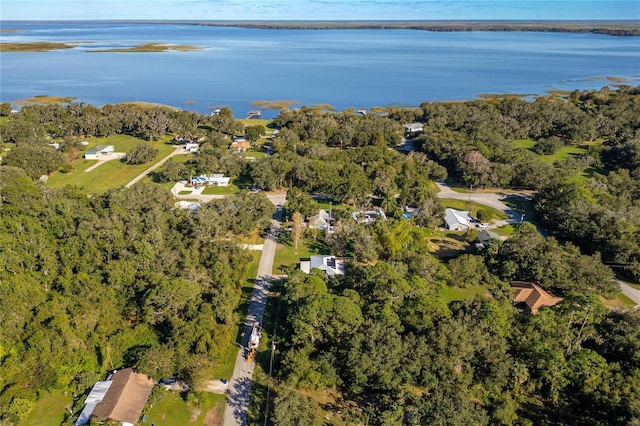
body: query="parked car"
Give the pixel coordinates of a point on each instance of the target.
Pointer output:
(483, 225)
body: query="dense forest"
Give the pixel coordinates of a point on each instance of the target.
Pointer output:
(89, 284)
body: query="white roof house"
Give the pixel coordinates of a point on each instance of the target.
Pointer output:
(98, 150)
(413, 127)
(369, 216)
(457, 220)
(190, 205)
(328, 264)
(96, 395)
(214, 179)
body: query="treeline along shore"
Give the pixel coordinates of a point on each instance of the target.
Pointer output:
(614, 28)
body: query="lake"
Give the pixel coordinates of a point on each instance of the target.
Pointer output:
(344, 68)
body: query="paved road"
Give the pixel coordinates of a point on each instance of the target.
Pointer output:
(491, 199)
(239, 390)
(179, 150)
(630, 292)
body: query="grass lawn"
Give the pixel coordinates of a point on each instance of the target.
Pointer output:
(449, 294)
(173, 410)
(255, 154)
(561, 154)
(221, 190)
(111, 174)
(504, 231)
(472, 207)
(287, 254)
(49, 410)
(621, 301)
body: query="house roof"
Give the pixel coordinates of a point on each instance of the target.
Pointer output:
(532, 295)
(125, 398)
(240, 145)
(455, 218)
(96, 149)
(329, 264)
(485, 235)
(321, 220)
(413, 127)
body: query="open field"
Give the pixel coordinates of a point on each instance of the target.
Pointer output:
(111, 174)
(561, 154)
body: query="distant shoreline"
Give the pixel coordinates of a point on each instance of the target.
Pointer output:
(628, 28)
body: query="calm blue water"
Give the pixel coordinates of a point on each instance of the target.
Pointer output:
(344, 68)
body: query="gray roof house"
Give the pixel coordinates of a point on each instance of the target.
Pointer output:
(457, 220)
(486, 235)
(329, 264)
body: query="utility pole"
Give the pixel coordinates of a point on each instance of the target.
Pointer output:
(266, 410)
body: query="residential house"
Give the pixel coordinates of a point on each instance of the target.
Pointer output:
(329, 264)
(97, 151)
(120, 398)
(320, 221)
(240, 145)
(457, 220)
(413, 127)
(368, 217)
(485, 235)
(217, 179)
(188, 205)
(532, 296)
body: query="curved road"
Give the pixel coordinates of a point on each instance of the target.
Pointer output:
(491, 199)
(239, 390)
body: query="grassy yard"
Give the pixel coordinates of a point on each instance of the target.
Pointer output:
(472, 207)
(621, 301)
(49, 410)
(221, 190)
(111, 174)
(449, 294)
(561, 154)
(171, 410)
(287, 254)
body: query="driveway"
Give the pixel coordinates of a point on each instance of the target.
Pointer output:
(179, 150)
(239, 390)
(106, 157)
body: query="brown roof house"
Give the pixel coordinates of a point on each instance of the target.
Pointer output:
(120, 398)
(533, 296)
